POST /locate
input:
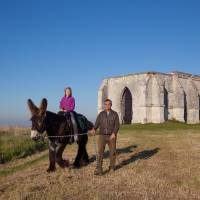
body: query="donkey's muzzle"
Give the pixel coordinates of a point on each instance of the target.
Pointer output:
(34, 135)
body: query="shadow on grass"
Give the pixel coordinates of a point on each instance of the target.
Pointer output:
(127, 149)
(146, 154)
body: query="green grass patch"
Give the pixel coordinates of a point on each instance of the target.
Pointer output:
(169, 126)
(18, 145)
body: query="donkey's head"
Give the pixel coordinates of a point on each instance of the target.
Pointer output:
(37, 118)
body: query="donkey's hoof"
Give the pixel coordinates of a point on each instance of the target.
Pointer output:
(50, 169)
(66, 163)
(84, 162)
(76, 166)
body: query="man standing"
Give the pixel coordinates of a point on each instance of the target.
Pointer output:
(108, 123)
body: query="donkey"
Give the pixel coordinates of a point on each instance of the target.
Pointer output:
(56, 125)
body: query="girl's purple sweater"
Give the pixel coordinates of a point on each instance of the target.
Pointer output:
(67, 103)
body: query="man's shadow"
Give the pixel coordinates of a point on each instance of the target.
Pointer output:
(127, 149)
(146, 154)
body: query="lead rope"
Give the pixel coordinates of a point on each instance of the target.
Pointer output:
(62, 136)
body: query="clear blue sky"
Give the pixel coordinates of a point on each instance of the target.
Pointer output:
(46, 45)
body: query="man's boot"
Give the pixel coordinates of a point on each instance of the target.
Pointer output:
(99, 171)
(111, 169)
(112, 162)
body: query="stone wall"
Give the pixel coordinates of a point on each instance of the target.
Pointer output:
(155, 97)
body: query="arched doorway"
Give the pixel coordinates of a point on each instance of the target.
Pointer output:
(199, 107)
(166, 105)
(185, 107)
(126, 106)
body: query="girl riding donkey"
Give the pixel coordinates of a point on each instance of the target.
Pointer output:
(59, 130)
(67, 105)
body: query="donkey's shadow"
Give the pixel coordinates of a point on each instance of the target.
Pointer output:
(145, 154)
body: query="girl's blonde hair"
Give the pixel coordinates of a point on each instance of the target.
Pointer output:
(68, 88)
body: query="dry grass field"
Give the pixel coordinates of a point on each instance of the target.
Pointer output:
(153, 162)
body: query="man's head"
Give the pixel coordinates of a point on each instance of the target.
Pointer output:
(107, 104)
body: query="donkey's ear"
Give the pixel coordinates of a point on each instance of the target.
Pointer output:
(43, 106)
(33, 108)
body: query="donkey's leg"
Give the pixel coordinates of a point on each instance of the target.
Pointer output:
(52, 166)
(79, 154)
(60, 161)
(82, 153)
(85, 156)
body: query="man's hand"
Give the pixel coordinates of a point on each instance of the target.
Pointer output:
(93, 131)
(113, 136)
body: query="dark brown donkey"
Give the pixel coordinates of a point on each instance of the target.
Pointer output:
(56, 125)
